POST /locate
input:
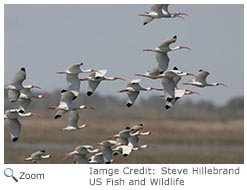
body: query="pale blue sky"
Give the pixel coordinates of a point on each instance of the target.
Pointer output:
(47, 38)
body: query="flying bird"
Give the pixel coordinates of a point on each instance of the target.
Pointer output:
(80, 154)
(201, 80)
(13, 124)
(170, 80)
(161, 52)
(66, 104)
(37, 156)
(133, 89)
(95, 78)
(26, 96)
(72, 123)
(160, 11)
(179, 93)
(106, 147)
(17, 84)
(72, 77)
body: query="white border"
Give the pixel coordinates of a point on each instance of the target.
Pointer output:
(74, 176)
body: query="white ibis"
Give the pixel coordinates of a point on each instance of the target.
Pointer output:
(133, 89)
(26, 96)
(80, 154)
(74, 83)
(160, 11)
(72, 123)
(161, 53)
(66, 103)
(106, 147)
(179, 93)
(123, 137)
(169, 82)
(14, 125)
(131, 140)
(200, 80)
(95, 78)
(72, 77)
(16, 85)
(37, 156)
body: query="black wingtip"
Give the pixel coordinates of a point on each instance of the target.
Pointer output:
(175, 37)
(108, 162)
(129, 104)
(62, 91)
(42, 151)
(127, 128)
(89, 93)
(167, 107)
(200, 70)
(144, 23)
(125, 155)
(57, 116)
(169, 99)
(175, 68)
(15, 139)
(115, 154)
(23, 69)
(21, 111)
(74, 97)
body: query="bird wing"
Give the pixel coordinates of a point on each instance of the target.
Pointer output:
(164, 9)
(13, 95)
(97, 158)
(107, 155)
(148, 20)
(133, 140)
(100, 73)
(176, 80)
(169, 87)
(26, 93)
(37, 155)
(135, 81)
(92, 85)
(73, 118)
(163, 61)
(75, 68)
(126, 150)
(179, 93)
(154, 72)
(60, 113)
(156, 7)
(165, 44)
(201, 77)
(19, 77)
(73, 83)
(132, 96)
(121, 140)
(67, 97)
(80, 159)
(24, 103)
(14, 127)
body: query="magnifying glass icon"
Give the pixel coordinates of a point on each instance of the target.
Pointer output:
(8, 172)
